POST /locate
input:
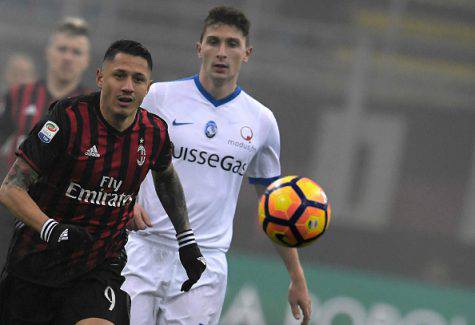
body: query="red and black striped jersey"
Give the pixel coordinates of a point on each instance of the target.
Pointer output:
(90, 174)
(22, 107)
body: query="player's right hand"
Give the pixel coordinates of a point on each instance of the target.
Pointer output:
(191, 258)
(141, 220)
(59, 235)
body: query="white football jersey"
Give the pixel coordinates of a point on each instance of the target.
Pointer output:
(216, 142)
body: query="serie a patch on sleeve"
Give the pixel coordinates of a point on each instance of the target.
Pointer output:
(48, 131)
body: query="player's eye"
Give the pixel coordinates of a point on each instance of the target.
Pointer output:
(62, 49)
(212, 40)
(77, 52)
(233, 43)
(119, 75)
(139, 79)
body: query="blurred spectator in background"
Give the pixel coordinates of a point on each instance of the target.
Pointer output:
(19, 69)
(67, 57)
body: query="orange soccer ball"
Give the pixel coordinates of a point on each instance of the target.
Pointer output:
(294, 211)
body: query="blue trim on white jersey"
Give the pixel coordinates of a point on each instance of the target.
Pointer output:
(210, 98)
(185, 78)
(263, 181)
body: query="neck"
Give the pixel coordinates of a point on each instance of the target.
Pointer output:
(219, 89)
(118, 122)
(59, 88)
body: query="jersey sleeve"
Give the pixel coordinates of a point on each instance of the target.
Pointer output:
(165, 154)
(265, 166)
(47, 140)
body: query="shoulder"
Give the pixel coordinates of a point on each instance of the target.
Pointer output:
(152, 120)
(160, 93)
(163, 86)
(263, 112)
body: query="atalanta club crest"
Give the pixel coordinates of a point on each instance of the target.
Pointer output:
(141, 153)
(211, 129)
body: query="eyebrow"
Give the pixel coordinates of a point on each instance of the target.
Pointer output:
(126, 71)
(225, 38)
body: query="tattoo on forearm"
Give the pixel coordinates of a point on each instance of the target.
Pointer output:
(170, 193)
(21, 175)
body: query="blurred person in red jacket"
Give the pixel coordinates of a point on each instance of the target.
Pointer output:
(67, 57)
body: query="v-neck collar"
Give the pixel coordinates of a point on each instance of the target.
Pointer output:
(210, 98)
(110, 128)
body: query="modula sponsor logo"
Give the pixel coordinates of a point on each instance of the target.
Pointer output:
(108, 194)
(242, 145)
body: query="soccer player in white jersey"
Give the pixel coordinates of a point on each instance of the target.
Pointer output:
(220, 133)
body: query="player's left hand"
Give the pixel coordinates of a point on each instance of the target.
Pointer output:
(299, 299)
(191, 258)
(141, 219)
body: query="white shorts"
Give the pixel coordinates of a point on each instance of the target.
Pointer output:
(153, 279)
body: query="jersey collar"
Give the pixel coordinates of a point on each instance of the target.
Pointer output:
(210, 98)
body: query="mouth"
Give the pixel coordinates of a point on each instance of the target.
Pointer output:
(220, 67)
(125, 101)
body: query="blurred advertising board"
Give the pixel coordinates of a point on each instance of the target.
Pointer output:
(257, 294)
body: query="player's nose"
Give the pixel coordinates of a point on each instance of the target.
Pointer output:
(221, 51)
(128, 85)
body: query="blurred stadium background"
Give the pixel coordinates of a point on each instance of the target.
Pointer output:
(375, 101)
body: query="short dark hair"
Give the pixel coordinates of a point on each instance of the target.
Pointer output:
(73, 26)
(227, 16)
(128, 47)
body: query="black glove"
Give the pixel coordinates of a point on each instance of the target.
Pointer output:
(59, 235)
(191, 258)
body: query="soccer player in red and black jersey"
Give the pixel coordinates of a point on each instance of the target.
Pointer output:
(73, 187)
(67, 57)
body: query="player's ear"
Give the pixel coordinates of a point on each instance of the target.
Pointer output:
(100, 78)
(248, 54)
(198, 49)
